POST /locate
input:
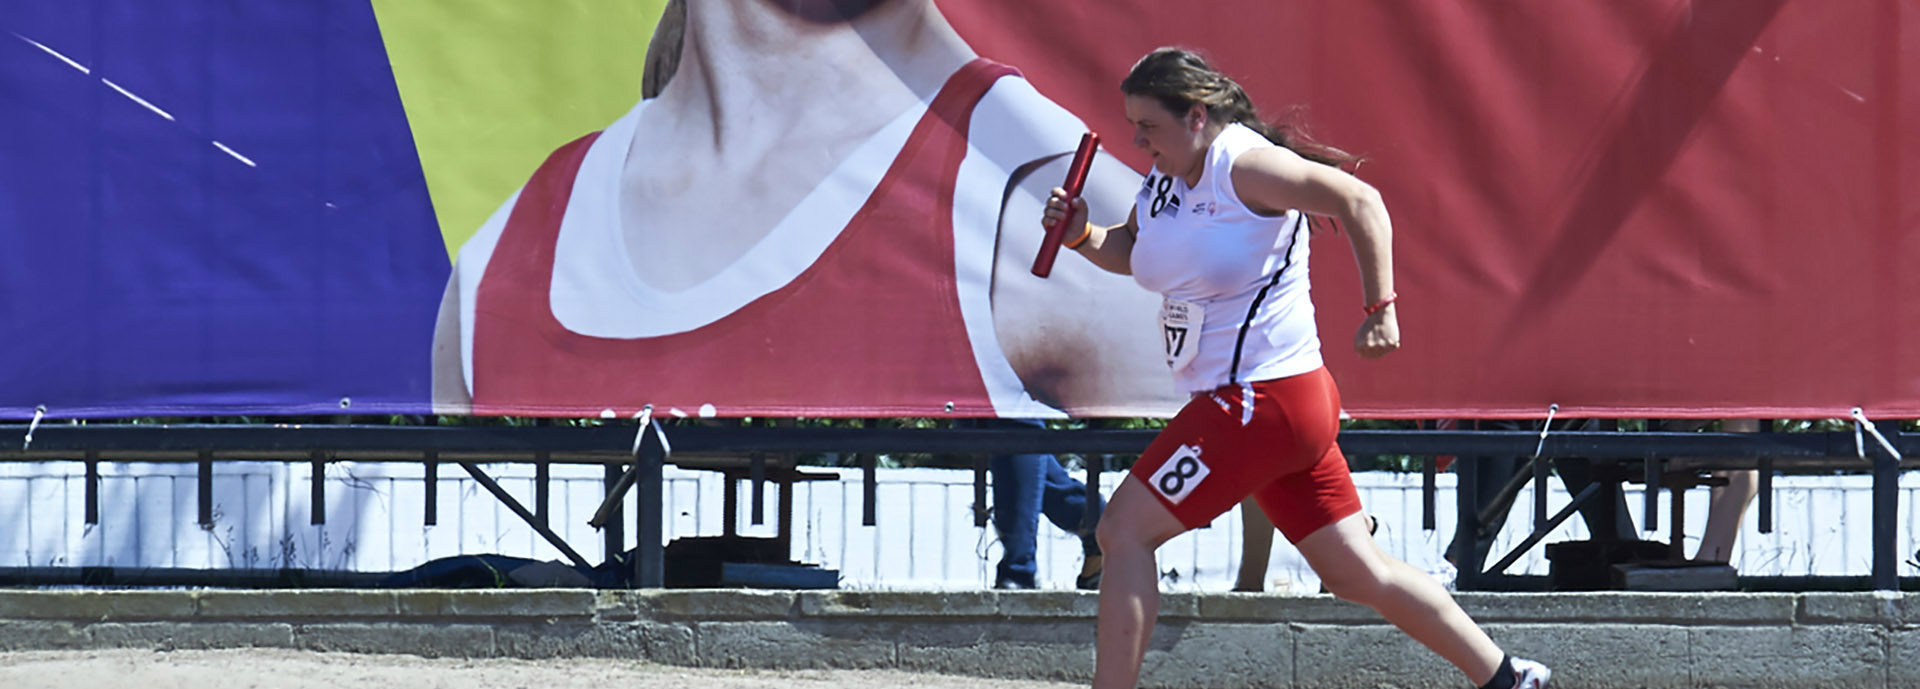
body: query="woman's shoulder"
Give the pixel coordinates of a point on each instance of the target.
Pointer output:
(1245, 151)
(1239, 139)
(1250, 161)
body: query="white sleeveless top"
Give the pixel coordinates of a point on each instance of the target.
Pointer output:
(1241, 275)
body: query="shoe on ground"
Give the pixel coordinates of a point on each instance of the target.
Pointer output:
(1010, 584)
(1528, 674)
(1089, 579)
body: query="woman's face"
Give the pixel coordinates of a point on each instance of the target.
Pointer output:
(1172, 140)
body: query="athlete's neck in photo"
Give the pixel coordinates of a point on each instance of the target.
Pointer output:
(741, 55)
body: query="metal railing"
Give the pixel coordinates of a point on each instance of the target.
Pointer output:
(1628, 455)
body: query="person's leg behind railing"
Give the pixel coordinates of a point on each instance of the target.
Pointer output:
(1064, 502)
(1727, 505)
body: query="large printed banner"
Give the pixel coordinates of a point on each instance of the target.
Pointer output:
(814, 208)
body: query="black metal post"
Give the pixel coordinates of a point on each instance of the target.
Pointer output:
(1466, 557)
(93, 487)
(1651, 472)
(431, 484)
(783, 533)
(1766, 494)
(649, 563)
(1540, 492)
(730, 505)
(757, 478)
(1608, 475)
(1886, 510)
(1612, 478)
(1677, 521)
(542, 474)
(1429, 492)
(1096, 465)
(980, 491)
(613, 529)
(319, 487)
(869, 488)
(204, 478)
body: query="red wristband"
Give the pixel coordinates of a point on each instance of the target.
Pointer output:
(1378, 305)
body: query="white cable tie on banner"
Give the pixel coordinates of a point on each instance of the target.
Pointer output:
(645, 416)
(1859, 443)
(1860, 421)
(666, 448)
(39, 412)
(1551, 410)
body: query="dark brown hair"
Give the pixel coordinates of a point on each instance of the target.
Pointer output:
(1181, 79)
(663, 52)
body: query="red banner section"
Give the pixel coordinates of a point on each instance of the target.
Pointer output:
(1650, 208)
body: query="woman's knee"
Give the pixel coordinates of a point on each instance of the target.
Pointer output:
(1123, 532)
(1135, 520)
(1116, 535)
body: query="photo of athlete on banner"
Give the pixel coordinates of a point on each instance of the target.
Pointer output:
(812, 205)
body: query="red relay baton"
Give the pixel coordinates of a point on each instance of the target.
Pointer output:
(1076, 180)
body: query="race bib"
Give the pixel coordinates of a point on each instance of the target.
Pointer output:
(1182, 473)
(1180, 327)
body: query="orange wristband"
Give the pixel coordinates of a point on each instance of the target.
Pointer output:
(1378, 305)
(1085, 234)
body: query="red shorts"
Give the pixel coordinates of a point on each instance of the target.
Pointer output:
(1282, 451)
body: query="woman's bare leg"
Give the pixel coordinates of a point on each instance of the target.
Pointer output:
(1726, 508)
(1256, 541)
(1354, 568)
(1131, 529)
(1727, 505)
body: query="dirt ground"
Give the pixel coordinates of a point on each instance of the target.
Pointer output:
(284, 669)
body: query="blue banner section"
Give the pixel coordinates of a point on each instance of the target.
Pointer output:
(209, 207)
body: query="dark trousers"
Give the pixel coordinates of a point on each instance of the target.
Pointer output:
(1026, 486)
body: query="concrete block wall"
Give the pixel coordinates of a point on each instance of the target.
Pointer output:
(1593, 640)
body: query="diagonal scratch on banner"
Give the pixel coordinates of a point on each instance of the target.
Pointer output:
(42, 46)
(137, 99)
(142, 102)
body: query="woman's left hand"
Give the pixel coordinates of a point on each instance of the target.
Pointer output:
(1379, 335)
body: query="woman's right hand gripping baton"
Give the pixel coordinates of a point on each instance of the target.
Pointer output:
(1058, 220)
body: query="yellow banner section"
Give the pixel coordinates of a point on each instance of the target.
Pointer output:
(492, 86)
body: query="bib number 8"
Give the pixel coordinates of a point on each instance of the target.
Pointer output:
(1180, 475)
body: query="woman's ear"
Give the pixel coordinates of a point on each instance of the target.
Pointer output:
(1197, 118)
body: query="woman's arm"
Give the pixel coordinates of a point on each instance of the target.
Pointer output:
(1272, 180)
(1107, 246)
(1083, 340)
